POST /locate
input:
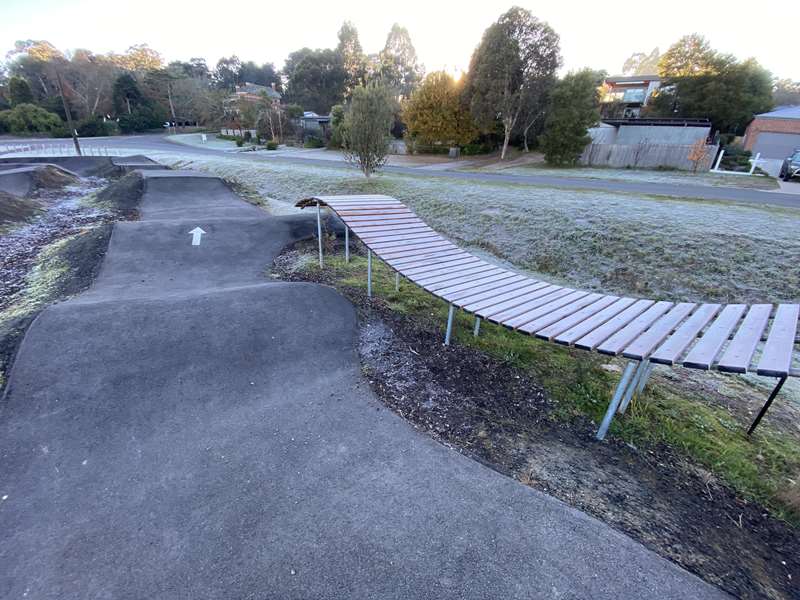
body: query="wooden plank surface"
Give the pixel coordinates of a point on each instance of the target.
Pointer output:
(739, 353)
(614, 344)
(641, 347)
(544, 309)
(536, 300)
(776, 358)
(470, 285)
(602, 328)
(556, 315)
(464, 295)
(703, 353)
(611, 305)
(671, 350)
(456, 273)
(441, 269)
(510, 291)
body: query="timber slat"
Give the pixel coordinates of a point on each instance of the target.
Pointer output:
(703, 353)
(776, 358)
(739, 352)
(563, 312)
(641, 347)
(595, 336)
(672, 349)
(611, 304)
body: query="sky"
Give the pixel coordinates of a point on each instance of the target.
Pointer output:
(593, 34)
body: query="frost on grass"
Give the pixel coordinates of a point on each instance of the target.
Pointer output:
(674, 249)
(647, 176)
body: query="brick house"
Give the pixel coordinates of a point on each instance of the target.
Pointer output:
(774, 134)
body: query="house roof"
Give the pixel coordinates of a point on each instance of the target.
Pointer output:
(633, 79)
(256, 89)
(782, 112)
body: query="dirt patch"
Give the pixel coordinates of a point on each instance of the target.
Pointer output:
(16, 210)
(50, 177)
(122, 196)
(500, 416)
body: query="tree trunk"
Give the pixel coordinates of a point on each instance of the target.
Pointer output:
(506, 138)
(128, 102)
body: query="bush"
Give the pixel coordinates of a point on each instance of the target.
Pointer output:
(473, 149)
(248, 136)
(29, 118)
(239, 142)
(95, 127)
(143, 118)
(272, 145)
(313, 141)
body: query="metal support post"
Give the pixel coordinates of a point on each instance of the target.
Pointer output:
(369, 273)
(319, 231)
(449, 331)
(765, 408)
(346, 244)
(645, 377)
(477, 329)
(397, 282)
(627, 374)
(634, 385)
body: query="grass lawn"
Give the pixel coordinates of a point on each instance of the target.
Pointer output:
(642, 175)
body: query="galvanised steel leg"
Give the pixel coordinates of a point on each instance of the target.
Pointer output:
(637, 378)
(369, 273)
(765, 408)
(397, 282)
(449, 331)
(319, 231)
(645, 377)
(346, 244)
(612, 406)
(477, 329)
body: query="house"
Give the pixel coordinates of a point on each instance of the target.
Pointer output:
(775, 134)
(253, 92)
(311, 121)
(625, 96)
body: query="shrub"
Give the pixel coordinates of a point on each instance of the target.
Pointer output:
(143, 118)
(29, 118)
(248, 136)
(95, 127)
(239, 142)
(473, 149)
(367, 123)
(313, 141)
(272, 145)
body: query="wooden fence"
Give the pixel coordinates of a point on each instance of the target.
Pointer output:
(646, 156)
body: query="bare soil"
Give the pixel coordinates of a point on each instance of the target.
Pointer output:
(503, 418)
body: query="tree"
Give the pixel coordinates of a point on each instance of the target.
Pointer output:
(88, 78)
(352, 56)
(689, 56)
(126, 94)
(367, 122)
(729, 95)
(573, 110)
(436, 113)
(138, 58)
(398, 66)
(226, 73)
(19, 92)
(514, 63)
(259, 74)
(786, 92)
(640, 63)
(698, 152)
(316, 79)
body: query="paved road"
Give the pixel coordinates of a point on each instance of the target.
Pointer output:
(188, 429)
(140, 144)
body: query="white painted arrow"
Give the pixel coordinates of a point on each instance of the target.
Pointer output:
(197, 233)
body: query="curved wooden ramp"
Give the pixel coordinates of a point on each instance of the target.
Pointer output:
(733, 338)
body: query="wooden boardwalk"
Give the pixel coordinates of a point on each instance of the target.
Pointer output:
(733, 338)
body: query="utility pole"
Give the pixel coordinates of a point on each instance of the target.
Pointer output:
(68, 114)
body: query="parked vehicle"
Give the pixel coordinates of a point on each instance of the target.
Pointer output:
(791, 166)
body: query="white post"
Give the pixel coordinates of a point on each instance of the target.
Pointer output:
(369, 273)
(346, 244)
(477, 329)
(754, 162)
(397, 282)
(719, 160)
(319, 231)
